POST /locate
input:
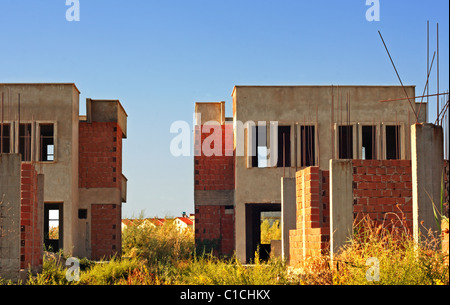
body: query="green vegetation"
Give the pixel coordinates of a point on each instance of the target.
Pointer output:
(270, 232)
(163, 255)
(158, 244)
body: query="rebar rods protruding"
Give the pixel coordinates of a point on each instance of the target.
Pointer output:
(409, 100)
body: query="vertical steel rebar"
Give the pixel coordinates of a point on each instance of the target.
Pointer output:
(428, 59)
(284, 154)
(437, 64)
(332, 124)
(2, 127)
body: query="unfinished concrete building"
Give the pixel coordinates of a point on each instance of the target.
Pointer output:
(316, 124)
(59, 170)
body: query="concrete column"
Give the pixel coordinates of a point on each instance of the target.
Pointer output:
(288, 213)
(10, 216)
(240, 229)
(341, 204)
(427, 158)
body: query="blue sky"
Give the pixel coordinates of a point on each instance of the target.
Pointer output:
(160, 57)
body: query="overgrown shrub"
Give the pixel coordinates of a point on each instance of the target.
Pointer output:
(209, 270)
(401, 260)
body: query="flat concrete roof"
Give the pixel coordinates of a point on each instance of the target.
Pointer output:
(115, 101)
(40, 84)
(311, 86)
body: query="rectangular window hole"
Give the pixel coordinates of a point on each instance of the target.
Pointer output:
(82, 214)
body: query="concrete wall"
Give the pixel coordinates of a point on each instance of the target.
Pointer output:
(210, 112)
(322, 106)
(57, 104)
(10, 215)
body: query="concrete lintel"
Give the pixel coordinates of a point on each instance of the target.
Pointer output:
(213, 197)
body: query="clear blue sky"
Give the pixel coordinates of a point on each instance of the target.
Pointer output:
(159, 57)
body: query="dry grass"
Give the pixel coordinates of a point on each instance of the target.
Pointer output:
(401, 260)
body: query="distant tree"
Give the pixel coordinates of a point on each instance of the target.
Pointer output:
(270, 232)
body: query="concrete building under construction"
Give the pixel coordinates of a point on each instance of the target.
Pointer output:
(306, 128)
(59, 170)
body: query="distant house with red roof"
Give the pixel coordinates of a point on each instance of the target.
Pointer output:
(184, 223)
(181, 223)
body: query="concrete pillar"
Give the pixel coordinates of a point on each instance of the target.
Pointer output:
(341, 204)
(288, 213)
(427, 160)
(10, 216)
(240, 229)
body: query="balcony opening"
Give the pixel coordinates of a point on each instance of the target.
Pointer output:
(284, 146)
(392, 142)
(259, 156)
(345, 137)
(307, 146)
(5, 134)
(25, 141)
(369, 143)
(47, 142)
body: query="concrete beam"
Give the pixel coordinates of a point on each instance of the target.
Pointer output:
(341, 204)
(427, 160)
(288, 213)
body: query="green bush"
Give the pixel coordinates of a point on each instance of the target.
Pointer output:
(270, 232)
(52, 274)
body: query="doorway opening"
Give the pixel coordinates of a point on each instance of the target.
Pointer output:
(257, 217)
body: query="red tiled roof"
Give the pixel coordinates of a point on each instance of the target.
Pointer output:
(186, 220)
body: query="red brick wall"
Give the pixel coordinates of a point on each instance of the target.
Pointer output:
(214, 228)
(382, 189)
(100, 155)
(316, 219)
(30, 229)
(106, 238)
(214, 172)
(214, 224)
(100, 166)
